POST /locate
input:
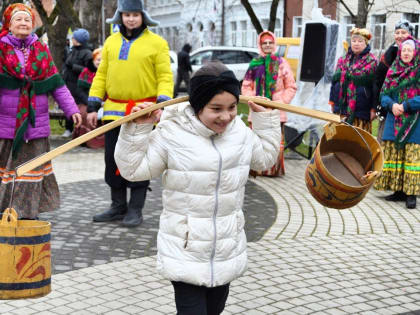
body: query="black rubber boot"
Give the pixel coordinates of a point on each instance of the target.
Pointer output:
(134, 216)
(118, 207)
(396, 196)
(410, 203)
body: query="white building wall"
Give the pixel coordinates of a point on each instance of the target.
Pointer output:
(393, 10)
(199, 22)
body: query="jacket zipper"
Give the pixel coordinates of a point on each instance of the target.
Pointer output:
(216, 206)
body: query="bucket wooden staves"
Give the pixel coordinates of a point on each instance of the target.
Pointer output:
(345, 164)
(25, 257)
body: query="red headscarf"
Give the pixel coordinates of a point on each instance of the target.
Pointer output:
(12, 10)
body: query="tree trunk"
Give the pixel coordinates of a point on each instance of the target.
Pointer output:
(92, 22)
(252, 16)
(56, 26)
(362, 13)
(273, 15)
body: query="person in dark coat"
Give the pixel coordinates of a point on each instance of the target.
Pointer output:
(184, 68)
(403, 29)
(76, 61)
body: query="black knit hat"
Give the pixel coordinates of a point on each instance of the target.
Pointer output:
(211, 79)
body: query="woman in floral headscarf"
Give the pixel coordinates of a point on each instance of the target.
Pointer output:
(351, 93)
(270, 75)
(27, 74)
(400, 95)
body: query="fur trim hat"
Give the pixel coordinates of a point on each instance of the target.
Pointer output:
(131, 6)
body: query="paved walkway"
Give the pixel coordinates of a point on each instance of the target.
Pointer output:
(303, 257)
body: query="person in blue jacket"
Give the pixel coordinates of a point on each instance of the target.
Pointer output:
(401, 139)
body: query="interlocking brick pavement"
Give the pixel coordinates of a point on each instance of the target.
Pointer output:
(310, 260)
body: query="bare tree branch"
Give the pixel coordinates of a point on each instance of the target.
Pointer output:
(347, 8)
(255, 21)
(273, 15)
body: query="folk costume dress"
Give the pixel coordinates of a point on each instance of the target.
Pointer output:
(401, 138)
(27, 74)
(351, 93)
(270, 76)
(132, 71)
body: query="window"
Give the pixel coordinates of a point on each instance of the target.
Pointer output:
(233, 56)
(349, 25)
(244, 38)
(201, 57)
(378, 31)
(297, 26)
(281, 50)
(225, 56)
(233, 33)
(414, 19)
(254, 37)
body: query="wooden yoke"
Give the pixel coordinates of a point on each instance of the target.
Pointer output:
(292, 108)
(43, 158)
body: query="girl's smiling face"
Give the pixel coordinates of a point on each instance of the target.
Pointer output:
(219, 112)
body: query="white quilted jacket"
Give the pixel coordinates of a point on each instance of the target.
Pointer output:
(201, 237)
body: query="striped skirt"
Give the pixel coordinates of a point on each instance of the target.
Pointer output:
(401, 171)
(35, 191)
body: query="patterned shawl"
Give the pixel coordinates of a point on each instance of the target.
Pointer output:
(402, 83)
(353, 71)
(38, 76)
(85, 78)
(264, 71)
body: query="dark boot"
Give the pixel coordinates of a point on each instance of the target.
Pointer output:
(118, 207)
(396, 196)
(410, 203)
(134, 216)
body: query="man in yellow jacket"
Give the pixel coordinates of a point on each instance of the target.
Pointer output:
(135, 68)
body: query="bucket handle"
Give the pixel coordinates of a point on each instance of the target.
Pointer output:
(9, 217)
(367, 145)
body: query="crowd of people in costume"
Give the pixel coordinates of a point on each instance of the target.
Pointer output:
(201, 148)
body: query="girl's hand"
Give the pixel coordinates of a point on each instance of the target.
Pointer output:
(258, 108)
(149, 118)
(397, 109)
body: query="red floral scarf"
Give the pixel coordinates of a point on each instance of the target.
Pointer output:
(402, 82)
(350, 75)
(85, 78)
(39, 77)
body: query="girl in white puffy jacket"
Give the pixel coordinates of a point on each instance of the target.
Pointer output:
(204, 153)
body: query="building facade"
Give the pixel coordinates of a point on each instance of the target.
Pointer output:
(226, 22)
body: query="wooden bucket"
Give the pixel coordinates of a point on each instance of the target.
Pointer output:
(25, 257)
(344, 166)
